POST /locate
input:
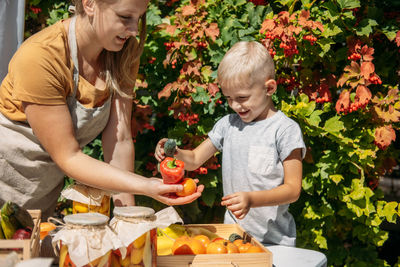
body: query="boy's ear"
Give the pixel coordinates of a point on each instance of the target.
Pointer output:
(88, 6)
(270, 87)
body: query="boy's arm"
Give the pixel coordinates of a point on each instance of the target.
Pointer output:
(239, 203)
(196, 157)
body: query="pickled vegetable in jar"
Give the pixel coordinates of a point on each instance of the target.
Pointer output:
(88, 199)
(104, 208)
(136, 228)
(86, 240)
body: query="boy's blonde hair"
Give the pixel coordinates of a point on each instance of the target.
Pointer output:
(245, 64)
(120, 68)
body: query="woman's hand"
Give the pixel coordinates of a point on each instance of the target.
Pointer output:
(165, 193)
(238, 203)
(159, 153)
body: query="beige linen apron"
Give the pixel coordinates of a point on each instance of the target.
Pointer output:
(28, 176)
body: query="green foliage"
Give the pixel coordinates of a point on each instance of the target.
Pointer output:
(337, 65)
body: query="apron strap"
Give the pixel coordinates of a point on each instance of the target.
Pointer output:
(74, 53)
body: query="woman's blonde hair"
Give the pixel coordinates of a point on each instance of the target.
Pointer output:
(245, 64)
(120, 68)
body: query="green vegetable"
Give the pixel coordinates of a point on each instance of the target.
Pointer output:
(170, 148)
(234, 236)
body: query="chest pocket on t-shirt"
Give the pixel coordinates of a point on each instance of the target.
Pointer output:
(260, 159)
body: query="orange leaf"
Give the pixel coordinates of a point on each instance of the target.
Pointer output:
(367, 68)
(190, 68)
(390, 115)
(367, 53)
(343, 103)
(212, 31)
(213, 88)
(384, 136)
(304, 14)
(170, 29)
(363, 94)
(188, 10)
(166, 92)
(267, 25)
(398, 38)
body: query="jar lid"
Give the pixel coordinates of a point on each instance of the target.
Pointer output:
(133, 212)
(92, 218)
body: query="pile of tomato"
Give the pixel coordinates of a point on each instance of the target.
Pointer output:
(201, 244)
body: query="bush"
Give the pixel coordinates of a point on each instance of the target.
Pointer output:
(337, 66)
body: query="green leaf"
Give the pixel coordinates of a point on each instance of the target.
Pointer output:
(390, 32)
(334, 125)
(348, 4)
(330, 29)
(153, 15)
(200, 95)
(389, 211)
(336, 178)
(365, 27)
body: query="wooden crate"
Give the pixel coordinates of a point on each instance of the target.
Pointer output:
(27, 248)
(220, 260)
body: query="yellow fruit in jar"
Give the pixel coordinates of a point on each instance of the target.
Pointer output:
(94, 208)
(104, 261)
(80, 207)
(125, 262)
(139, 242)
(136, 255)
(63, 254)
(105, 206)
(95, 262)
(114, 260)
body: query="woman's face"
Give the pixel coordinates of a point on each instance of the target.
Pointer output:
(116, 21)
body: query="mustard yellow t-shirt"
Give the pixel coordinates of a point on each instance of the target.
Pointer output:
(41, 72)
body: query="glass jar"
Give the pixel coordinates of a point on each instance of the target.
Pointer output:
(136, 228)
(86, 240)
(88, 199)
(104, 208)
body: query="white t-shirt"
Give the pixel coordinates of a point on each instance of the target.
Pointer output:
(252, 157)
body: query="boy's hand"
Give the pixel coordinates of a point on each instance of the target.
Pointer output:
(162, 192)
(159, 153)
(238, 203)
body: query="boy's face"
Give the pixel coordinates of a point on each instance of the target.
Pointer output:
(251, 104)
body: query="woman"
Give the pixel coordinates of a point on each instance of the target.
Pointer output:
(66, 85)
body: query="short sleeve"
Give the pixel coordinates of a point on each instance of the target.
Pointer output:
(38, 76)
(290, 139)
(217, 133)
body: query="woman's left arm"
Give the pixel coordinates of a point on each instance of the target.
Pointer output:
(118, 147)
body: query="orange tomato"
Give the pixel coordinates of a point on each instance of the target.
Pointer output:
(243, 246)
(197, 247)
(220, 240)
(189, 187)
(185, 245)
(231, 248)
(203, 239)
(216, 248)
(217, 238)
(254, 249)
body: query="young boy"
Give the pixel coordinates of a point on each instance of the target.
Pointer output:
(262, 149)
